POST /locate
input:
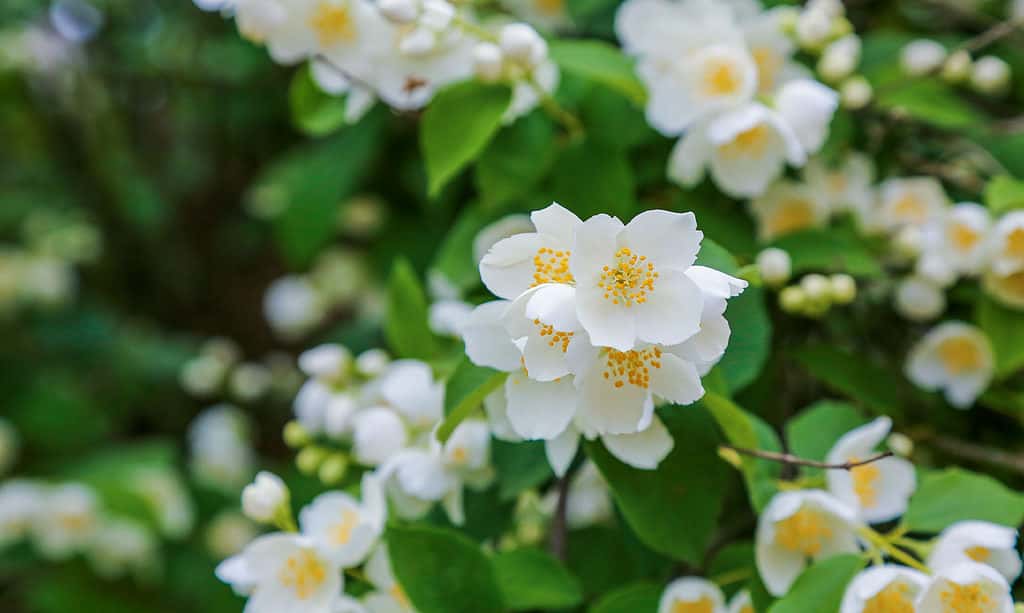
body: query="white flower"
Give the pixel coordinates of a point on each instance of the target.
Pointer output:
(20, 502)
(228, 533)
(121, 546)
(911, 201)
(310, 405)
(283, 572)
(525, 96)
(292, 306)
(519, 262)
(958, 238)
(257, 19)
(327, 362)
(507, 226)
(807, 107)
(840, 58)
(742, 603)
(496, 407)
(312, 27)
(339, 415)
(922, 56)
(221, 453)
(409, 387)
(520, 42)
(883, 588)
(879, 490)
(966, 587)
(775, 266)
(692, 594)
(797, 526)
(488, 62)
(847, 187)
(589, 501)
(250, 381)
(746, 148)
(631, 282)
(378, 434)
(990, 75)
(1008, 244)
(770, 46)
(1007, 289)
(388, 596)
(446, 317)
(263, 499)
(954, 357)
(66, 520)
(977, 541)
(788, 207)
(372, 362)
(164, 492)
(343, 528)
(918, 299)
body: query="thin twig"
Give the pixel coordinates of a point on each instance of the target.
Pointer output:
(977, 453)
(788, 458)
(557, 539)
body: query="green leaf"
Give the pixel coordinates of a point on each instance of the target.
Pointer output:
(820, 588)
(837, 249)
(715, 256)
(742, 429)
(931, 101)
(457, 126)
(520, 466)
(948, 496)
(442, 571)
(455, 257)
(600, 62)
(750, 342)
(589, 179)
(314, 111)
(406, 326)
(309, 185)
(876, 387)
(532, 579)
(1005, 331)
(672, 509)
(813, 432)
(1004, 194)
(635, 598)
(465, 392)
(517, 158)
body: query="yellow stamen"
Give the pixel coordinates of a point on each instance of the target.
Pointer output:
(551, 266)
(790, 216)
(751, 143)
(332, 24)
(959, 355)
(909, 208)
(629, 279)
(550, 7)
(895, 598)
(1015, 243)
(768, 65)
(304, 573)
(704, 605)
(979, 554)
(557, 338)
(632, 367)
(963, 237)
(965, 599)
(721, 78)
(342, 531)
(803, 532)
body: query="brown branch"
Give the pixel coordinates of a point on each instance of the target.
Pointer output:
(557, 539)
(977, 453)
(787, 458)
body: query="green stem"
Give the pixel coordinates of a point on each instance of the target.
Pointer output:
(882, 544)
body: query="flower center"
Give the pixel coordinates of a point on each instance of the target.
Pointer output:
(865, 483)
(629, 279)
(721, 78)
(803, 532)
(747, 609)
(551, 266)
(556, 338)
(341, 534)
(959, 355)
(704, 605)
(633, 366)
(768, 64)
(895, 598)
(965, 599)
(332, 23)
(751, 142)
(460, 455)
(76, 522)
(1015, 243)
(963, 237)
(304, 573)
(909, 208)
(979, 553)
(792, 215)
(550, 7)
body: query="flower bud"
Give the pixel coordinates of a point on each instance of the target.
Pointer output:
(310, 458)
(840, 58)
(775, 266)
(338, 416)
(813, 29)
(922, 56)
(398, 11)
(990, 75)
(333, 469)
(919, 300)
(437, 15)
(520, 42)
(372, 362)
(817, 288)
(844, 288)
(957, 67)
(908, 242)
(856, 93)
(295, 435)
(328, 361)
(792, 299)
(900, 444)
(488, 62)
(263, 499)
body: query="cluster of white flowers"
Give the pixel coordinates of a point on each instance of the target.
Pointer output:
(220, 441)
(398, 51)
(986, 75)
(301, 570)
(295, 304)
(721, 74)
(68, 519)
(596, 322)
(383, 414)
(969, 566)
(219, 370)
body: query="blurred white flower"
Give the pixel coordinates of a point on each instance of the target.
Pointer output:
(388, 596)
(1007, 248)
(957, 240)
(990, 75)
(20, 503)
(788, 207)
(922, 56)
(840, 58)
(918, 299)
(344, 528)
(977, 541)
(846, 187)
(228, 532)
(164, 492)
(692, 594)
(221, 448)
(122, 546)
(911, 201)
(264, 498)
(954, 357)
(589, 500)
(65, 520)
(292, 306)
(742, 603)
(1007, 289)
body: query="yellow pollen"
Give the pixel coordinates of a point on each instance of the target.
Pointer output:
(551, 266)
(398, 594)
(790, 216)
(803, 532)
(76, 522)
(304, 573)
(459, 455)
(768, 64)
(747, 609)
(721, 79)
(556, 338)
(704, 605)
(632, 367)
(959, 355)
(837, 182)
(963, 237)
(332, 23)
(550, 7)
(751, 142)
(342, 531)
(909, 208)
(629, 279)
(1015, 243)
(978, 553)
(865, 483)
(965, 599)
(895, 598)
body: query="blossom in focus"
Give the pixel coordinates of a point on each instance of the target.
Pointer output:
(977, 541)
(883, 588)
(954, 357)
(692, 594)
(966, 587)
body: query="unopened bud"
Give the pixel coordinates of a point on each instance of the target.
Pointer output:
(957, 67)
(488, 62)
(900, 444)
(263, 499)
(333, 469)
(295, 435)
(398, 11)
(990, 75)
(792, 299)
(856, 93)
(775, 266)
(310, 458)
(844, 288)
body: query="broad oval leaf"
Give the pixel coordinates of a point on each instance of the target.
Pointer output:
(532, 579)
(949, 496)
